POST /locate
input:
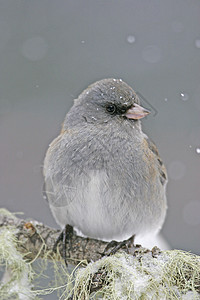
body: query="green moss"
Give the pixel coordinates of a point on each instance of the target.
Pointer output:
(183, 270)
(20, 272)
(172, 275)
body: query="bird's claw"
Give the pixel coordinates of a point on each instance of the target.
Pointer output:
(114, 246)
(63, 237)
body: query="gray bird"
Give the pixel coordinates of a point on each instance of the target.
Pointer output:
(103, 175)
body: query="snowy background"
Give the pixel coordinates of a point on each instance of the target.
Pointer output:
(51, 50)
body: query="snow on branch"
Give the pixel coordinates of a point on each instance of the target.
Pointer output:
(138, 274)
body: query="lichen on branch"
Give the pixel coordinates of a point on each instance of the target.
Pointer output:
(151, 274)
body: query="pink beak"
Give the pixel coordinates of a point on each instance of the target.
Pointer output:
(136, 112)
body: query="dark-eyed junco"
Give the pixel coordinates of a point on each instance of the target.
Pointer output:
(103, 175)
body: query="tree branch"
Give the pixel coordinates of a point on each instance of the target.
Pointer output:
(37, 239)
(174, 274)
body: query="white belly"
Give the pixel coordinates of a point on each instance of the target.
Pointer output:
(96, 211)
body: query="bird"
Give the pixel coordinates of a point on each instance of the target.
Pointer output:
(103, 175)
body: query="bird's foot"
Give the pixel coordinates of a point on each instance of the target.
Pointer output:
(114, 246)
(63, 237)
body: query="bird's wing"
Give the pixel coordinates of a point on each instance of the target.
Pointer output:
(59, 181)
(161, 167)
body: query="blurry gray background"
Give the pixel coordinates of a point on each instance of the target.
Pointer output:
(51, 50)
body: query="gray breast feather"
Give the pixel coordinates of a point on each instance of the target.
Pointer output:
(103, 190)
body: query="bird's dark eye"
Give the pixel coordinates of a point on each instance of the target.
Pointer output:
(111, 108)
